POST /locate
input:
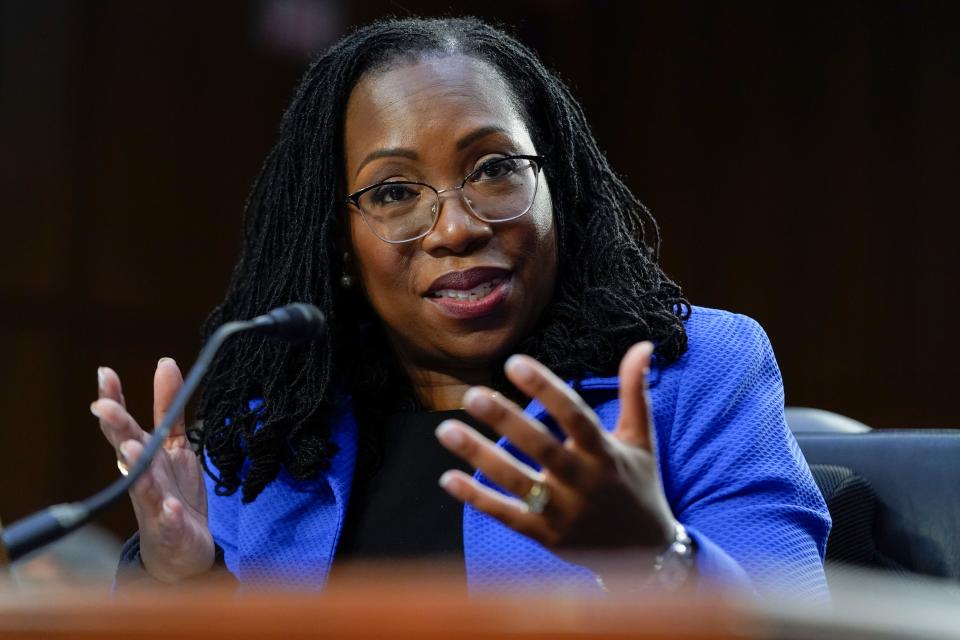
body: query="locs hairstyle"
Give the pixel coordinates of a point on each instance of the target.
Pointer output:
(610, 290)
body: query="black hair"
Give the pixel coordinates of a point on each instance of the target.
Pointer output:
(610, 291)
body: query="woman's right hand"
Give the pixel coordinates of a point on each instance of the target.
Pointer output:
(169, 500)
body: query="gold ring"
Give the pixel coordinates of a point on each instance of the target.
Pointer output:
(122, 467)
(537, 497)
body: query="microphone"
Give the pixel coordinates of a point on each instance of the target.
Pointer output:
(295, 322)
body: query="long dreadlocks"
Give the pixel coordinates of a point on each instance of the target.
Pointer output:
(610, 293)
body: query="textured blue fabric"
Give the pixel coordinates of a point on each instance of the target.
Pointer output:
(731, 471)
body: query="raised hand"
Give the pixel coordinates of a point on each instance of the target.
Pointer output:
(169, 500)
(603, 489)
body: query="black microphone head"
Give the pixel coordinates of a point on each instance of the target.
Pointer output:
(292, 323)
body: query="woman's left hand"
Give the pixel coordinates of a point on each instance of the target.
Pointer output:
(604, 490)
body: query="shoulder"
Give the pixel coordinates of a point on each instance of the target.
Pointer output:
(727, 354)
(714, 332)
(728, 362)
(720, 346)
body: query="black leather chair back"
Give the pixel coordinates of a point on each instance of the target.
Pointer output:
(915, 475)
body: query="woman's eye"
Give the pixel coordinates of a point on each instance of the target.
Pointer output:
(493, 169)
(388, 194)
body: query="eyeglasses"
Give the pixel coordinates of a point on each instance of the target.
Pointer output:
(499, 190)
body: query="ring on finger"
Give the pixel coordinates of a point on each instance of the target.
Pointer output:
(537, 497)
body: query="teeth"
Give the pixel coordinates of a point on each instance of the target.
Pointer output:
(478, 292)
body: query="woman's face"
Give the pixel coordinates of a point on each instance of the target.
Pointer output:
(435, 121)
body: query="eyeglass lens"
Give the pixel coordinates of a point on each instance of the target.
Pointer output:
(497, 191)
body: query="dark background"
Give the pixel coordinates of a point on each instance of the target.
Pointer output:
(801, 158)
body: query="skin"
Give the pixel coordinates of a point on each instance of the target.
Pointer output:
(170, 500)
(604, 487)
(421, 115)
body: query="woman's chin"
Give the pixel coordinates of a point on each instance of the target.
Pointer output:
(479, 348)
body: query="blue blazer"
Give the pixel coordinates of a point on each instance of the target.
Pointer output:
(731, 471)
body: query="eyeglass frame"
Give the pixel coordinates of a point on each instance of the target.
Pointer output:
(354, 198)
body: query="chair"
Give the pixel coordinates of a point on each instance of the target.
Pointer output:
(892, 493)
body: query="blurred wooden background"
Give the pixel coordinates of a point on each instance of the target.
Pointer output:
(800, 157)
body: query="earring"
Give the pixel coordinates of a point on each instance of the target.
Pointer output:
(346, 280)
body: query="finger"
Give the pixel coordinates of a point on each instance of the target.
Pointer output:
(157, 514)
(509, 511)
(146, 493)
(167, 380)
(495, 463)
(566, 406)
(171, 520)
(108, 385)
(527, 434)
(635, 421)
(116, 424)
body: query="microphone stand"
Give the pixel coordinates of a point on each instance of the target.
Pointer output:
(294, 322)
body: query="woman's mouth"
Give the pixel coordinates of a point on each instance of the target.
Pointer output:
(471, 294)
(480, 291)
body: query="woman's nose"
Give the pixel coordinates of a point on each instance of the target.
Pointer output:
(457, 230)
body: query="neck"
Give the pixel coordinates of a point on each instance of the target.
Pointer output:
(437, 385)
(443, 390)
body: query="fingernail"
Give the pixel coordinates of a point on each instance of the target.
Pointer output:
(122, 452)
(101, 379)
(477, 400)
(448, 433)
(446, 480)
(647, 347)
(164, 359)
(166, 509)
(519, 369)
(93, 408)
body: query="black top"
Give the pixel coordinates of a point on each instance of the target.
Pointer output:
(398, 509)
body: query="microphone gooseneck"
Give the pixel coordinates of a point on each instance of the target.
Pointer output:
(293, 323)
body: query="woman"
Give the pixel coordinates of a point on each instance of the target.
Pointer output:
(439, 195)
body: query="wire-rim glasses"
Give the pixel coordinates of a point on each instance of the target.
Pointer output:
(499, 190)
